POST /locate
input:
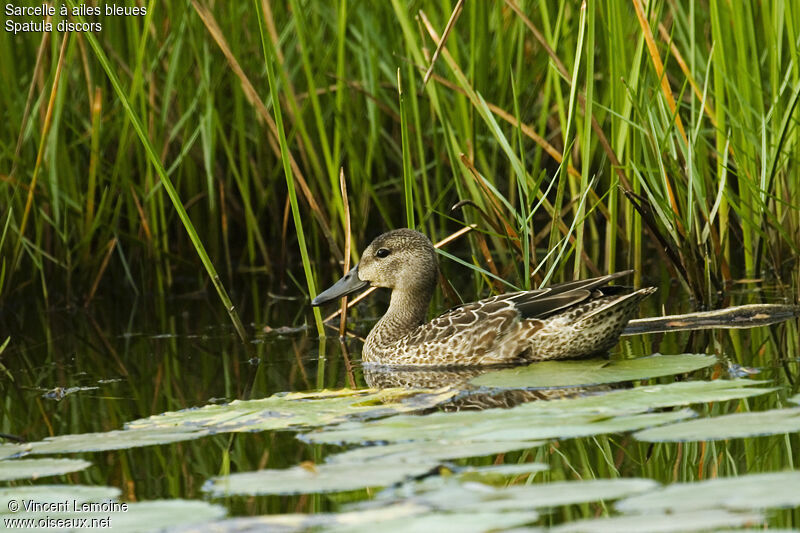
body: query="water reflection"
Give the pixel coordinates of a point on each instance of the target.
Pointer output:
(469, 396)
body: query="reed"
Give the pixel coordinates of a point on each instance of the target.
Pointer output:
(269, 56)
(578, 140)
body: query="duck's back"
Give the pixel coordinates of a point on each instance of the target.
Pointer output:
(568, 320)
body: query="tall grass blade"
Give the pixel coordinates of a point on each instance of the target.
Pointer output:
(269, 55)
(165, 181)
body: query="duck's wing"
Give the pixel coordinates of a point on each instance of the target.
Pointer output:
(546, 302)
(543, 306)
(588, 284)
(537, 303)
(496, 329)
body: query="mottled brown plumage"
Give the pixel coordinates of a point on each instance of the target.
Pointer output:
(567, 320)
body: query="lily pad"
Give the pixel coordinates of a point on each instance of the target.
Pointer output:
(141, 516)
(37, 468)
(280, 411)
(656, 396)
(304, 522)
(737, 425)
(111, 440)
(296, 410)
(397, 517)
(430, 450)
(753, 491)
(55, 494)
(463, 522)
(705, 520)
(587, 415)
(500, 425)
(547, 374)
(445, 494)
(309, 478)
(162, 514)
(13, 450)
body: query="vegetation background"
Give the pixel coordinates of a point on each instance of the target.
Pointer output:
(580, 138)
(195, 152)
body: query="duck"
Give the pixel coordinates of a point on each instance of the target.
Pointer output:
(568, 320)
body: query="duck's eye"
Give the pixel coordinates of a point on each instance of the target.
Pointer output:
(382, 252)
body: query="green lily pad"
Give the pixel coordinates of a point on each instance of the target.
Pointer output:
(309, 478)
(46, 494)
(737, 425)
(37, 468)
(111, 440)
(446, 494)
(431, 450)
(706, 520)
(587, 415)
(642, 398)
(141, 516)
(497, 425)
(163, 514)
(295, 410)
(752, 491)
(305, 522)
(463, 522)
(397, 517)
(12, 450)
(592, 371)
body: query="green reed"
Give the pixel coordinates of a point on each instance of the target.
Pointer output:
(269, 56)
(647, 136)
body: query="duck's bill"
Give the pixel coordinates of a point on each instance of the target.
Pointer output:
(349, 284)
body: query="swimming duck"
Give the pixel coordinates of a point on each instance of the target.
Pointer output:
(567, 320)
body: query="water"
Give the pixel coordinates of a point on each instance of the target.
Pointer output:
(73, 371)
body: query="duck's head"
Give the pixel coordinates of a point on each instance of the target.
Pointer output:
(402, 259)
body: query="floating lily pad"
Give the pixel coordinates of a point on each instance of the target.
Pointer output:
(304, 522)
(445, 494)
(316, 478)
(37, 468)
(296, 410)
(162, 514)
(293, 410)
(463, 522)
(737, 425)
(592, 371)
(760, 529)
(706, 520)
(585, 415)
(656, 396)
(12, 450)
(753, 491)
(397, 517)
(45, 494)
(111, 440)
(430, 450)
(499, 425)
(141, 516)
